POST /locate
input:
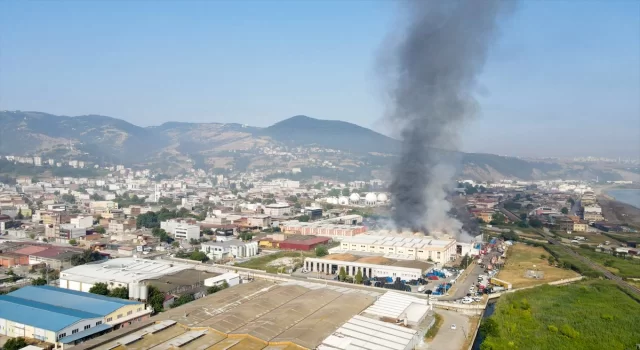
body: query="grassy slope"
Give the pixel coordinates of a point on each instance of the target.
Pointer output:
(603, 316)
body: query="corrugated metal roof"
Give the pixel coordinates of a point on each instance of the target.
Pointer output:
(40, 315)
(82, 301)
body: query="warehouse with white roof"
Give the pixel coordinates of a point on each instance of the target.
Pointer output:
(124, 272)
(400, 247)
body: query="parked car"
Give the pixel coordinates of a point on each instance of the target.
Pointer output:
(453, 326)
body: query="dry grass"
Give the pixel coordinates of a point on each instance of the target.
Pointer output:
(341, 257)
(379, 260)
(521, 257)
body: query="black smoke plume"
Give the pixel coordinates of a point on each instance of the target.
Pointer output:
(434, 71)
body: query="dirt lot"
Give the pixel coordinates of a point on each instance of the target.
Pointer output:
(521, 257)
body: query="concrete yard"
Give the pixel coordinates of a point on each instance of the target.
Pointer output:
(262, 314)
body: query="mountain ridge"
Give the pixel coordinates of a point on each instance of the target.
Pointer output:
(176, 146)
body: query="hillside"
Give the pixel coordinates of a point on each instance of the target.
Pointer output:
(305, 131)
(325, 148)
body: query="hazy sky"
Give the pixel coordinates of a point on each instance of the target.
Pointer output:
(562, 80)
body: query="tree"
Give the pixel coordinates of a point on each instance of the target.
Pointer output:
(183, 299)
(334, 192)
(175, 244)
(96, 197)
(73, 241)
(19, 216)
(321, 250)
(100, 289)
(199, 256)
(87, 256)
(535, 222)
(551, 260)
(14, 344)
(245, 236)
(155, 299)
(304, 218)
(345, 192)
(497, 219)
(570, 201)
(523, 216)
(489, 327)
(120, 292)
(358, 278)
(39, 281)
(342, 275)
(100, 230)
(510, 236)
(69, 198)
(564, 210)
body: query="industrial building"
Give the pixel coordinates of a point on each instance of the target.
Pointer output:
(410, 247)
(60, 316)
(234, 248)
(261, 315)
(277, 209)
(304, 243)
(370, 266)
(322, 229)
(123, 272)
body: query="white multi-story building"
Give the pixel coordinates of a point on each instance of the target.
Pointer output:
(230, 249)
(186, 231)
(82, 221)
(37, 161)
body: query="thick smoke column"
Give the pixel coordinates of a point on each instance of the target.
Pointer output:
(434, 74)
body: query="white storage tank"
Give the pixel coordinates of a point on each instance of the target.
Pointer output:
(354, 198)
(343, 200)
(370, 198)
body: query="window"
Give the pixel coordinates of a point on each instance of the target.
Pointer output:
(139, 309)
(130, 312)
(74, 331)
(87, 327)
(120, 316)
(62, 335)
(109, 319)
(98, 323)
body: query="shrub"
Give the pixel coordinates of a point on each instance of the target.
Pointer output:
(552, 328)
(568, 331)
(607, 317)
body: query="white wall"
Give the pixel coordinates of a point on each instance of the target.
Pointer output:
(79, 326)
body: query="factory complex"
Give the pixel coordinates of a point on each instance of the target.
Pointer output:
(369, 266)
(61, 316)
(134, 274)
(262, 315)
(394, 246)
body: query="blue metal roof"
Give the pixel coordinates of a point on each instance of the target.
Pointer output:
(88, 302)
(40, 315)
(93, 330)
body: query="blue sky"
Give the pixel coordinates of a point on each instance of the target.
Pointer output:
(562, 80)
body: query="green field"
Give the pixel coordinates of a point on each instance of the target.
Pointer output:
(590, 315)
(623, 267)
(568, 261)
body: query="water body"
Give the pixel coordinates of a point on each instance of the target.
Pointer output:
(628, 196)
(491, 308)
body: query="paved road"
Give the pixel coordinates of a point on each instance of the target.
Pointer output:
(447, 338)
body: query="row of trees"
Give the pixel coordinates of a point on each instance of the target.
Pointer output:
(153, 219)
(103, 289)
